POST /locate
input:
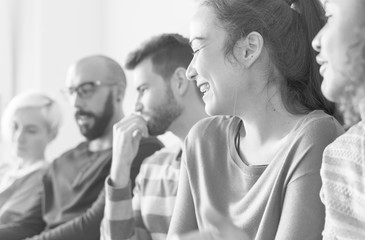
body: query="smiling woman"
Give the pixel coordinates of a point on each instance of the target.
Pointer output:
(258, 167)
(341, 47)
(30, 122)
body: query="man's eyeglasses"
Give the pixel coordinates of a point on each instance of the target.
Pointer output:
(87, 89)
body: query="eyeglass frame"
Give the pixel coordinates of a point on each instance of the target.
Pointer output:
(96, 84)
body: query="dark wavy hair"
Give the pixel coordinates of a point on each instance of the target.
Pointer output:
(167, 52)
(287, 29)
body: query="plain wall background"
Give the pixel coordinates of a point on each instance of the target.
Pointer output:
(39, 39)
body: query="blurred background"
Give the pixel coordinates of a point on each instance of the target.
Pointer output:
(39, 39)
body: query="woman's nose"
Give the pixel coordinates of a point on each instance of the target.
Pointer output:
(191, 73)
(316, 43)
(18, 136)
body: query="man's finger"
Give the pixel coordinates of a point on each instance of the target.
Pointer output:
(137, 133)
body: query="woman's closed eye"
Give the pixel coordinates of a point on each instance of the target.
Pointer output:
(32, 129)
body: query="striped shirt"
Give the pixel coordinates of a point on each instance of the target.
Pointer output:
(147, 215)
(343, 189)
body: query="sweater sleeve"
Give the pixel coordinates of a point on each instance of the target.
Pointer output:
(87, 225)
(147, 147)
(120, 219)
(184, 217)
(302, 214)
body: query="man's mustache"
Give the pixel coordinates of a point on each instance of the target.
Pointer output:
(80, 113)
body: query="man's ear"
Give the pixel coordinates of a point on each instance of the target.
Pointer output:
(248, 49)
(52, 135)
(119, 93)
(179, 81)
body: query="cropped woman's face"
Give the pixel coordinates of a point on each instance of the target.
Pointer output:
(30, 134)
(215, 75)
(341, 47)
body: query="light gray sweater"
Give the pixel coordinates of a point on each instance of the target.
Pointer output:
(275, 201)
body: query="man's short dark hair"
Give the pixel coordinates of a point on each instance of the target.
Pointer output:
(167, 53)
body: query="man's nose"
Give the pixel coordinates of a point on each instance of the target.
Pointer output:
(76, 100)
(138, 107)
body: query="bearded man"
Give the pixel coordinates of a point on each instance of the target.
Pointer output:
(167, 101)
(72, 202)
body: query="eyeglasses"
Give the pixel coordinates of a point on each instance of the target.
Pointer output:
(87, 89)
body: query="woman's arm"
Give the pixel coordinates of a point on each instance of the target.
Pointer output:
(303, 214)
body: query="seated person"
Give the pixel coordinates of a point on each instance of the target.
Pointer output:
(257, 160)
(341, 47)
(30, 122)
(167, 101)
(72, 203)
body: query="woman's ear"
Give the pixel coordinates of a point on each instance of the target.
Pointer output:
(248, 49)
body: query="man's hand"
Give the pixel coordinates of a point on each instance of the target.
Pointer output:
(225, 231)
(127, 134)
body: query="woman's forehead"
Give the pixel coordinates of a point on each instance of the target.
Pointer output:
(29, 115)
(348, 5)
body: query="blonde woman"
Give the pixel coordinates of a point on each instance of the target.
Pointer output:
(30, 122)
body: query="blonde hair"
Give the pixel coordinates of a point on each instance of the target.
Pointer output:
(50, 110)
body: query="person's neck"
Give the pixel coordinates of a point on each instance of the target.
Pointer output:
(26, 162)
(191, 115)
(102, 143)
(268, 123)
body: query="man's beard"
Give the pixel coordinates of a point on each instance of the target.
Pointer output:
(100, 122)
(164, 115)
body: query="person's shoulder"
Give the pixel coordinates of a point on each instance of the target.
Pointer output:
(349, 145)
(312, 134)
(211, 125)
(343, 160)
(71, 153)
(357, 130)
(306, 143)
(164, 156)
(38, 173)
(214, 121)
(42, 166)
(318, 123)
